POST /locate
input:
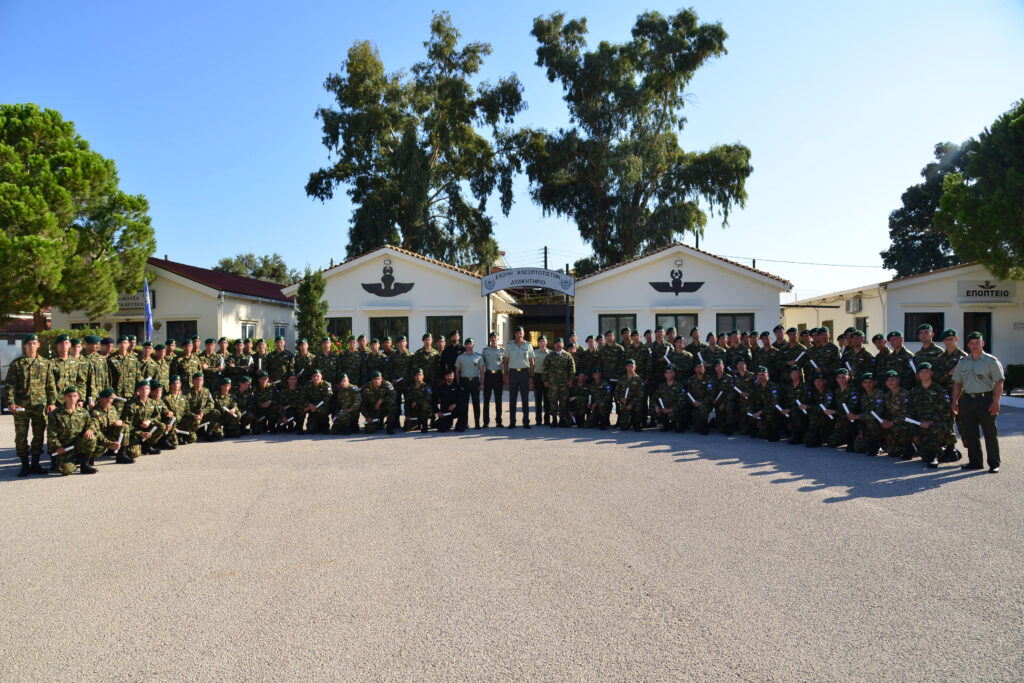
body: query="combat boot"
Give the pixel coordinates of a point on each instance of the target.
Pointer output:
(123, 459)
(25, 469)
(87, 467)
(36, 468)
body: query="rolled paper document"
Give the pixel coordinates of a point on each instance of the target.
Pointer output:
(803, 410)
(148, 378)
(69, 449)
(276, 381)
(222, 362)
(912, 421)
(445, 414)
(848, 367)
(738, 390)
(613, 380)
(120, 438)
(666, 354)
(880, 420)
(319, 404)
(823, 409)
(374, 419)
(718, 397)
(300, 372)
(661, 402)
(171, 423)
(797, 359)
(259, 363)
(912, 366)
(203, 426)
(401, 411)
(262, 418)
(244, 413)
(815, 364)
(691, 397)
(118, 398)
(711, 415)
(590, 398)
(290, 419)
(92, 401)
(778, 408)
(846, 409)
(182, 432)
(700, 357)
(412, 419)
(19, 409)
(626, 395)
(750, 415)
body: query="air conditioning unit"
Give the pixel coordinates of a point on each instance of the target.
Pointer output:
(854, 305)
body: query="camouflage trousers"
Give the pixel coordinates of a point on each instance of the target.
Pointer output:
(769, 425)
(871, 437)
(34, 416)
(345, 422)
(190, 424)
(228, 425)
(630, 414)
(375, 419)
(673, 415)
(599, 415)
(558, 400)
(318, 421)
(83, 449)
(930, 441)
(844, 432)
(899, 440)
(416, 417)
(818, 426)
(577, 410)
(148, 435)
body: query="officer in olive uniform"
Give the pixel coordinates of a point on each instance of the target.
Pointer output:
(493, 361)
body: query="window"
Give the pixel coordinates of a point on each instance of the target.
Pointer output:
(86, 326)
(911, 321)
(615, 323)
(726, 322)
(981, 322)
(248, 331)
(441, 325)
(683, 322)
(181, 329)
(862, 325)
(136, 328)
(280, 330)
(339, 327)
(830, 325)
(388, 327)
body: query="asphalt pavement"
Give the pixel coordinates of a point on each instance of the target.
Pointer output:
(495, 554)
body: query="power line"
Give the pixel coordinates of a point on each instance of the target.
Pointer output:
(804, 263)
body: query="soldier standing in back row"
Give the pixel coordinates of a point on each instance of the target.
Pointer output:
(560, 370)
(31, 395)
(468, 374)
(493, 361)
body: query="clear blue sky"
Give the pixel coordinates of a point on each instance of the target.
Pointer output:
(207, 109)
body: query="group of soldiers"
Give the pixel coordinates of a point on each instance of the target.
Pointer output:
(123, 399)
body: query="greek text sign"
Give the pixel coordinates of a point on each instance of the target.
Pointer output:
(136, 300)
(528, 277)
(970, 291)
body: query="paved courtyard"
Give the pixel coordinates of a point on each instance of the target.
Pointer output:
(553, 554)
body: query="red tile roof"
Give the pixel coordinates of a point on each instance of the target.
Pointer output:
(680, 244)
(224, 282)
(400, 250)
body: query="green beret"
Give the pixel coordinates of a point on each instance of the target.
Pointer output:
(590, 337)
(75, 341)
(559, 339)
(375, 341)
(386, 338)
(303, 340)
(70, 390)
(765, 335)
(975, 335)
(492, 335)
(147, 343)
(791, 329)
(222, 339)
(878, 337)
(171, 341)
(92, 339)
(194, 337)
(542, 338)
(245, 379)
(747, 334)
(823, 330)
(795, 368)
(122, 338)
(237, 342)
(805, 331)
(890, 373)
(469, 340)
(741, 359)
(277, 339)
(670, 367)
(155, 384)
(607, 332)
(857, 333)
(624, 330)
(291, 375)
(761, 368)
(671, 329)
(717, 361)
(132, 337)
(817, 376)
(175, 378)
(659, 328)
(925, 326)
(196, 374)
(597, 371)
(924, 366)
(570, 345)
(159, 347)
(259, 341)
(732, 332)
(778, 327)
(326, 340)
(262, 374)
(361, 337)
(142, 383)
(316, 371)
(694, 329)
(867, 375)
(225, 380)
(947, 333)
(894, 333)
(631, 361)
(375, 374)
(106, 393)
(634, 333)
(842, 371)
(210, 340)
(62, 338)
(342, 376)
(401, 338)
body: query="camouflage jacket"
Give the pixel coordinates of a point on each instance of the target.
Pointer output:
(613, 361)
(102, 422)
(30, 383)
(162, 371)
(261, 396)
(328, 366)
(600, 394)
(769, 358)
(945, 365)
(225, 402)
(559, 368)
(669, 396)
(791, 394)
(99, 374)
(930, 355)
(642, 355)
(850, 397)
(859, 362)
(378, 362)
(635, 388)
(419, 401)
(734, 353)
(896, 405)
(765, 398)
(280, 363)
(148, 369)
(900, 362)
(353, 364)
(659, 351)
(702, 389)
(931, 403)
(260, 362)
(820, 401)
(401, 367)
(64, 426)
(199, 401)
(65, 373)
(184, 367)
(303, 366)
(722, 387)
(349, 399)
(587, 362)
(291, 399)
(176, 403)
(319, 394)
(385, 394)
(124, 372)
(136, 412)
(429, 362)
(694, 349)
(874, 402)
(683, 362)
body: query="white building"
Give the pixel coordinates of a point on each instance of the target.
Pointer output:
(391, 291)
(682, 287)
(965, 297)
(188, 300)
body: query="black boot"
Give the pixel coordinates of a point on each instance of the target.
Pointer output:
(25, 469)
(123, 459)
(87, 467)
(423, 429)
(36, 468)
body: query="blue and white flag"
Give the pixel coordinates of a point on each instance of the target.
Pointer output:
(149, 310)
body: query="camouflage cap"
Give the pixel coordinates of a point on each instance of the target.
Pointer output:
(106, 393)
(62, 338)
(948, 332)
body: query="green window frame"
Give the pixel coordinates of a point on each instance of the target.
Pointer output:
(615, 322)
(339, 327)
(441, 325)
(725, 322)
(389, 326)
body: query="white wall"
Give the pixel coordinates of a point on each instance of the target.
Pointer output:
(871, 308)
(938, 293)
(436, 291)
(626, 290)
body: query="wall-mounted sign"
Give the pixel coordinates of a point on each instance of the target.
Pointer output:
(979, 291)
(676, 284)
(387, 286)
(136, 300)
(528, 277)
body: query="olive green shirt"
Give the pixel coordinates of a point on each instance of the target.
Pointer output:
(493, 358)
(519, 355)
(978, 376)
(468, 365)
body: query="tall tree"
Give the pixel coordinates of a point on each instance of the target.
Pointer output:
(311, 306)
(271, 268)
(982, 209)
(408, 148)
(619, 171)
(69, 237)
(918, 246)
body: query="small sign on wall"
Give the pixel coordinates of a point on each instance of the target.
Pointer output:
(136, 300)
(975, 291)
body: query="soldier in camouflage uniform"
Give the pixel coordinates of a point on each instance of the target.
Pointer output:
(713, 352)
(682, 360)
(872, 404)
(240, 362)
(378, 405)
(147, 365)
(326, 360)
(629, 399)
(743, 386)
(200, 415)
(793, 395)
(187, 364)
(108, 426)
(559, 371)
(124, 369)
(765, 406)
(929, 405)
(942, 374)
(141, 415)
(229, 415)
(162, 366)
(319, 401)
(31, 394)
(901, 361)
(669, 401)
(641, 353)
(352, 362)
(700, 395)
(929, 351)
(578, 399)
(209, 363)
(62, 366)
(858, 360)
(163, 415)
(260, 360)
(303, 363)
(266, 410)
(895, 425)
(723, 398)
(348, 401)
(846, 404)
(401, 360)
(780, 342)
(599, 401)
(292, 399)
(176, 403)
(280, 361)
(419, 403)
(612, 358)
(768, 356)
(821, 417)
(736, 350)
(588, 359)
(70, 438)
(243, 397)
(99, 373)
(695, 345)
(377, 361)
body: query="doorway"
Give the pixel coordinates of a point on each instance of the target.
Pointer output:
(981, 322)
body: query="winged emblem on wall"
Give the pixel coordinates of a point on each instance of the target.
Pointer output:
(676, 284)
(387, 285)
